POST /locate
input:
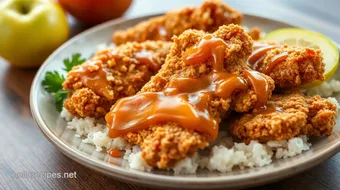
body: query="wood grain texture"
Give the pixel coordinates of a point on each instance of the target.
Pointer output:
(24, 148)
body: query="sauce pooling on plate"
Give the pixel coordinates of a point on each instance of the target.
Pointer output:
(114, 153)
(185, 101)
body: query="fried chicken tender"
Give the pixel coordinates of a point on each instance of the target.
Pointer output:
(321, 116)
(125, 76)
(302, 66)
(164, 144)
(84, 102)
(288, 116)
(255, 33)
(208, 17)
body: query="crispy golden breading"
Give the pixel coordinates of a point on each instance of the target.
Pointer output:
(84, 102)
(255, 33)
(163, 145)
(303, 65)
(208, 17)
(295, 115)
(126, 76)
(321, 116)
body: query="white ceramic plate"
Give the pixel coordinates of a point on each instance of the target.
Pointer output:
(54, 128)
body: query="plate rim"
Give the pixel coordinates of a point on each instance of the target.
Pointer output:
(140, 177)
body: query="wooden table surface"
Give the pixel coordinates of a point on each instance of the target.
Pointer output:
(25, 149)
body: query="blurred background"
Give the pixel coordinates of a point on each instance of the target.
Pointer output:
(20, 37)
(321, 16)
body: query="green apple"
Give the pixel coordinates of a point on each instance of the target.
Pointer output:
(30, 30)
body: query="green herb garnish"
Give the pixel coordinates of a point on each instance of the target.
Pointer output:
(75, 60)
(53, 80)
(59, 98)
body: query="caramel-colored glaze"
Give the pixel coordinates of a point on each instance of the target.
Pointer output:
(260, 86)
(208, 47)
(221, 84)
(143, 57)
(94, 76)
(146, 109)
(275, 61)
(185, 101)
(256, 59)
(114, 153)
(146, 58)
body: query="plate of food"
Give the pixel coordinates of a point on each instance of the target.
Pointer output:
(200, 97)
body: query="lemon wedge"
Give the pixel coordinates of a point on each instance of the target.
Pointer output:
(306, 38)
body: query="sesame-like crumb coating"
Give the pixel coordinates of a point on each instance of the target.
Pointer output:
(302, 66)
(300, 115)
(126, 77)
(164, 144)
(207, 17)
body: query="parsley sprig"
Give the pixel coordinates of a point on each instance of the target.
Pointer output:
(75, 60)
(53, 80)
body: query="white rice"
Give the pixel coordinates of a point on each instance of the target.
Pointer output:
(94, 131)
(224, 154)
(66, 115)
(326, 89)
(243, 156)
(134, 158)
(188, 165)
(290, 148)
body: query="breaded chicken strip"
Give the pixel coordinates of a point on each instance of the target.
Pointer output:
(112, 74)
(255, 33)
(208, 17)
(86, 103)
(289, 66)
(164, 144)
(288, 116)
(321, 116)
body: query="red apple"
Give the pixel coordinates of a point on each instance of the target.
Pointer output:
(95, 11)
